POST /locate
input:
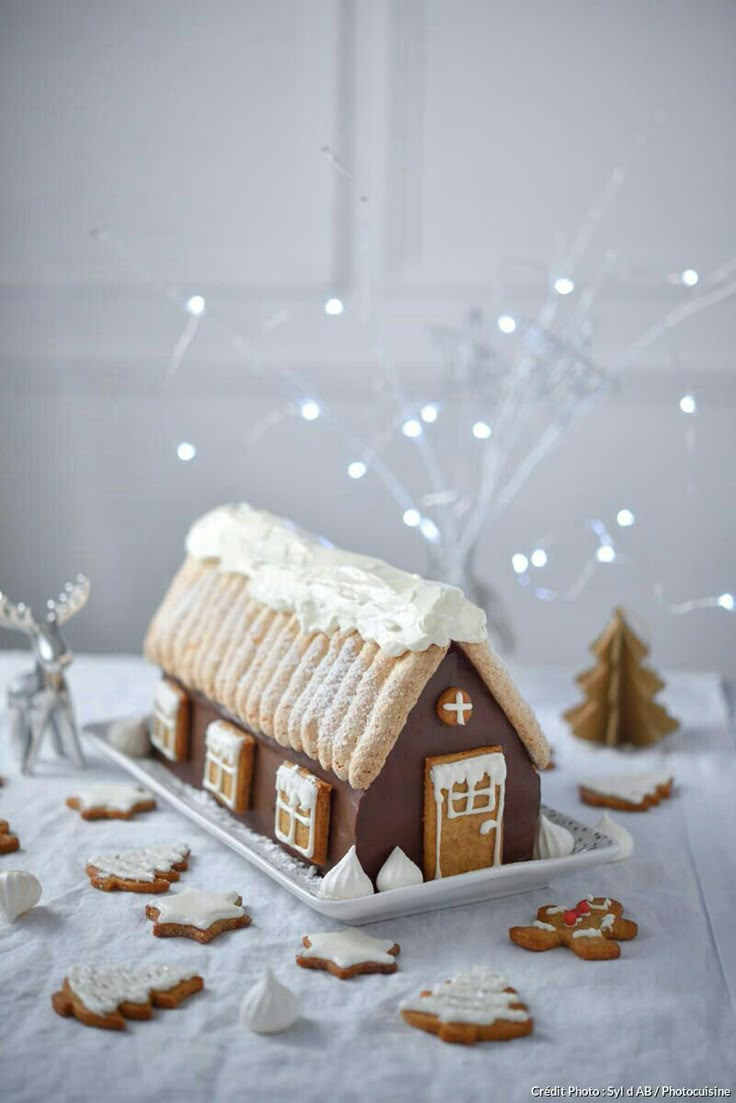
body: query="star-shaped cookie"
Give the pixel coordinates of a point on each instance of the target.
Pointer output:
(194, 913)
(348, 953)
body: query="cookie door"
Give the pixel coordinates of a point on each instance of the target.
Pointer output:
(463, 811)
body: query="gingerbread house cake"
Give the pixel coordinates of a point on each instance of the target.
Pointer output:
(330, 700)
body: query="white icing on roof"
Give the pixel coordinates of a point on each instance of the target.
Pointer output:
(291, 570)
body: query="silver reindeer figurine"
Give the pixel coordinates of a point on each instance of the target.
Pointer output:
(39, 702)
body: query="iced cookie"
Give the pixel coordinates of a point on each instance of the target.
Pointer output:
(627, 792)
(477, 1006)
(8, 841)
(111, 802)
(148, 869)
(196, 914)
(348, 953)
(107, 996)
(592, 929)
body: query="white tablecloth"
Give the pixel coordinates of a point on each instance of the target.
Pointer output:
(661, 1015)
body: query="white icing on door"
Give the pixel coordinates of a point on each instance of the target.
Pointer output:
(478, 799)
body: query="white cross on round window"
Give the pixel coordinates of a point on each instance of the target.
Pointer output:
(454, 706)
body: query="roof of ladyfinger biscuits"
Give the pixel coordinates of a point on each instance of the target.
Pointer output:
(338, 699)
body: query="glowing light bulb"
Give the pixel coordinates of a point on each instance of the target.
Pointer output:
(539, 557)
(411, 517)
(334, 307)
(625, 518)
(688, 404)
(689, 277)
(482, 430)
(310, 410)
(605, 554)
(429, 413)
(195, 306)
(726, 601)
(411, 428)
(506, 323)
(357, 469)
(429, 530)
(186, 451)
(563, 285)
(520, 563)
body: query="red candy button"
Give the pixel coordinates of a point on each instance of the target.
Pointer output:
(570, 918)
(583, 908)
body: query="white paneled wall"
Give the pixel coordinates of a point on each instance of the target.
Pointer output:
(482, 133)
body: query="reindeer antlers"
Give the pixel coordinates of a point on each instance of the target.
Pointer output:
(17, 616)
(71, 600)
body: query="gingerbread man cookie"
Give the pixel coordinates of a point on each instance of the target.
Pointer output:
(348, 953)
(111, 802)
(196, 914)
(477, 1006)
(147, 869)
(592, 929)
(8, 841)
(106, 997)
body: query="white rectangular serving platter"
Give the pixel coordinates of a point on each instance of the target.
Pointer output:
(591, 848)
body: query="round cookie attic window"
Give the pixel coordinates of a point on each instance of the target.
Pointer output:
(454, 707)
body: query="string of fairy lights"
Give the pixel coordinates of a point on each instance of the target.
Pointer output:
(554, 367)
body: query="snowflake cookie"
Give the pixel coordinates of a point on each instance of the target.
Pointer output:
(592, 929)
(146, 869)
(477, 1006)
(105, 997)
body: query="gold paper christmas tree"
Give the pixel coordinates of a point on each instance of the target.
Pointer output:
(618, 706)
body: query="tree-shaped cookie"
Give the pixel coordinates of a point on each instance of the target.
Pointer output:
(618, 706)
(592, 929)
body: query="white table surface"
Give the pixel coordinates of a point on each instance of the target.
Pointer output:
(663, 1014)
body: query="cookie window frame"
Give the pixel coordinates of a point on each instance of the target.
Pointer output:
(304, 800)
(169, 730)
(228, 754)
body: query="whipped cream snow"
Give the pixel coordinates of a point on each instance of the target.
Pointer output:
(328, 589)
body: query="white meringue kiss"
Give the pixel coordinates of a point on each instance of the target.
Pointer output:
(268, 1007)
(398, 872)
(19, 892)
(131, 737)
(608, 826)
(552, 841)
(347, 880)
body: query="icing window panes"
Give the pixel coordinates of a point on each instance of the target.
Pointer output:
(170, 722)
(302, 811)
(228, 764)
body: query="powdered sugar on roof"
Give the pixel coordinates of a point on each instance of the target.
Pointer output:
(291, 570)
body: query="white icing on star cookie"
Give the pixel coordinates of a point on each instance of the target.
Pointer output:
(349, 947)
(101, 990)
(608, 826)
(141, 864)
(269, 1007)
(196, 908)
(474, 997)
(116, 798)
(398, 872)
(347, 880)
